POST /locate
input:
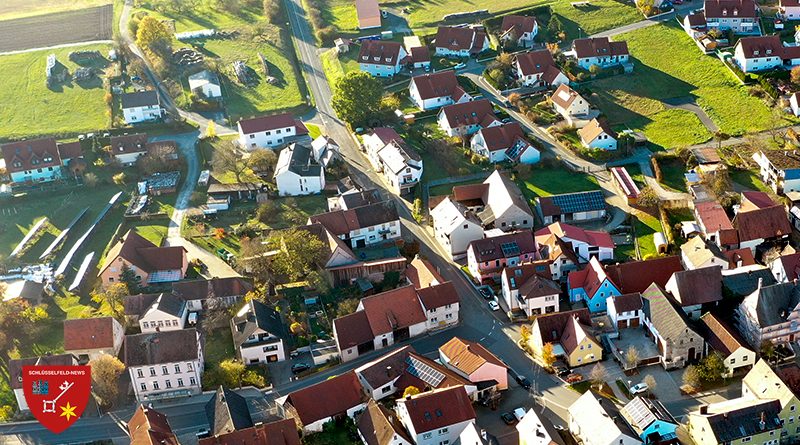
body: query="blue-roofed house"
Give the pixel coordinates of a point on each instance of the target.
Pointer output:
(572, 207)
(591, 285)
(651, 421)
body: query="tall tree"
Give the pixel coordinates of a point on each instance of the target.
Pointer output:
(632, 357)
(227, 159)
(153, 36)
(691, 377)
(113, 297)
(298, 252)
(356, 97)
(18, 320)
(263, 162)
(548, 356)
(131, 280)
(106, 370)
(712, 367)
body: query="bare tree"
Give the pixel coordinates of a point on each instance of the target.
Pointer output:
(598, 375)
(650, 381)
(631, 357)
(226, 158)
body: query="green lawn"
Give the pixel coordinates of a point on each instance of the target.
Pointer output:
(672, 173)
(287, 92)
(219, 346)
(646, 226)
(337, 65)
(313, 131)
(66, 109)
(14, 9)
(636, 174)
(668, 65)
(749, 179)
(552, 181)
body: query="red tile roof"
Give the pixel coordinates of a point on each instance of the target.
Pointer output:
(589, 279)
(598, 47)
(439, 295)
(352, 330)
(636, 276)
(380, 426)
(31, 155)
(560, 327)
(88, 333)
(394, 309)
(145, 255)
(441, 84)
(564, 96)
(490, 249)
(627, 302)
(422, 273)
(791, 265)
(437, 409)
(591, 237)
(729, 8)
(469, 113)
(379, 52)
(129, 143)
(281, 432)
(468, 356)
(503, 137)
(535, 62)
(459, 39)
(712, 218)
(267, 123)
(739, 258)
(150, 427)
(519, 23)
(342, 222)
(770, 222)
(328, 398)
(420, 54)
(752, 200)
(70, 150)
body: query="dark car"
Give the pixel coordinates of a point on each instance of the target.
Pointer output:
(486, 292)
(523, 382)
(297, 368)
(561, 371)
(508, 418)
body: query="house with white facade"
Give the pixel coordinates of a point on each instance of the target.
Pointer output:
(436, 417)
(724, 339)
(506, 142)
(715, 225)
(536, 429)
(585, 243)
(298, 173)
(381, 58)
(598, 135)
(460, 41)
(779, 169)
(625, 311)
(762, 53)
(166, 313)
(528, 287)
(455, 227)
(696, 290)
(538, 69)
(487, 257)
(35, 160)
(519, 29)
(767, 225)
(317, 404)
(466, 118)
(212, 293)
(400, 165)
(259, 334)
(126, 149)
(786, 267)
(141, 106)
(90, 338)
(166, 364)
(600, 51)
(441, 304)
(475, 363)
(435, 90)
(596, 421)
(568, 103)
(790, 9)
(741, 16)
(379, 377)
(270, 131)
(498, 202)
(206, 84)
(698, 253)
(770, 313)
(557, 255)
(362, 226)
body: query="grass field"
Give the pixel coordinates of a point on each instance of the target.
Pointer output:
(289, 90)
(672, 174)
(68, 109)
(336, 65)
(646, 226)
(668, 65)
(12, 9)
(551, 181)
(749, 180)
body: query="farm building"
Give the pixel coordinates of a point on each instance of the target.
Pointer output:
(571, 207)
(625, 184)
(206, 83)
(369, 14)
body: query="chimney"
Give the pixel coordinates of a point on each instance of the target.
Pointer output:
(762, 424)
(760, 283)
(703, 409)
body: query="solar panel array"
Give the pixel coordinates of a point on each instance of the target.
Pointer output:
(640, 414)
(424, 372)
(580, 202)
(510, 249)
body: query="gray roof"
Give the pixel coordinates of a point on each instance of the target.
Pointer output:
(302, 161)
(31, 291)
(259, 316)
(362, 198)
(140, 99)
(699, 286)
(669, 321)
(168, 304)
(227, 412)
(155, 348)
(387, 368)
(745, 421)
(774, 302)
(137, 305)
(746, 282)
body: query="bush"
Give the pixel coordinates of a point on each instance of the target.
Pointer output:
(326, 34)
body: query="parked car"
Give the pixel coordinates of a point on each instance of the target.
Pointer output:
(519, 413)
(639, 388)
(523, 381)
(561, 371)
(297, 368)
(574, 378)
(486, 292)
(494, 306)
(508, 418)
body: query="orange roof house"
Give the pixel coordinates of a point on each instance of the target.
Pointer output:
(150, 263)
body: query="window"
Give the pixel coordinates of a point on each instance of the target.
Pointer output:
(427, 435)
(152, 372)
(268, 133)
(143, 386)
(189, 366)
(145, 325)
(744, 359)
(192, 381)
(386, 389)
(180, 383)
(139, 373)
(524, 221)
(434, 319)
(733, 360)
(443, 431)
(448, 316)
(177, 368)
(164, 370)
(252, 136)
(746, 439)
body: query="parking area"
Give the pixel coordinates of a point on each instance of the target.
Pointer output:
(514, 397)
(637, 338)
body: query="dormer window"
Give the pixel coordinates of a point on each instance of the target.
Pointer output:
(735, 12)
(365, 58)
(17, 164)
(48, 159)
(769, 51)
(377, 58)
(724, 12)
(755, 52)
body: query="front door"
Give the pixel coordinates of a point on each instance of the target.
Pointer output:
(691, 354)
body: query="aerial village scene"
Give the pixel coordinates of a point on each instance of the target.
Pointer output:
(400, 222)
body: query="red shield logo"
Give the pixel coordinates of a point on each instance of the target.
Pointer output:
(57, 395)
